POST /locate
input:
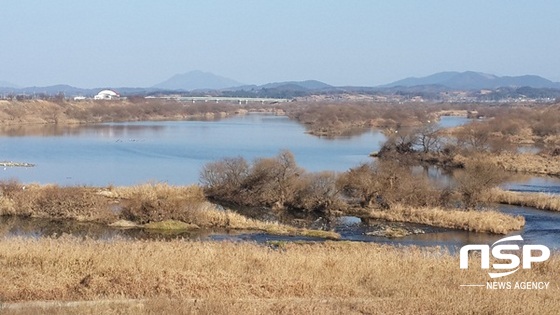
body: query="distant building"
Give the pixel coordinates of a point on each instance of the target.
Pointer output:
(106, 95)
(79, 98)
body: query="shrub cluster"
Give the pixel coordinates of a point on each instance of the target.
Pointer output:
(278, 182)
(274, 182)
(335, 118)
(387, 183)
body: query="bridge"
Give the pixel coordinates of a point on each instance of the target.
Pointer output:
(218, 99)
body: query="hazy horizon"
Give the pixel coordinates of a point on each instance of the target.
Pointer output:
(141, 43)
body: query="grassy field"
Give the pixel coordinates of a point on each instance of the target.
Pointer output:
(178, 277)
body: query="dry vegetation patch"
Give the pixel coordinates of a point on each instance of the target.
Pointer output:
(527, 162)
(178, 277)
(541, 201)
(155, 206)
(488, 221)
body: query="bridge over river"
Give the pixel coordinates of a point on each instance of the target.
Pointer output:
(219, 99)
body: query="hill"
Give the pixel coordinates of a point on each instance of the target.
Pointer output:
(6, 84)
(303, 85)
(196, 80)
(470, 80)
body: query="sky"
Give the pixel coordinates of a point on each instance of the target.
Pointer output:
(139, 43)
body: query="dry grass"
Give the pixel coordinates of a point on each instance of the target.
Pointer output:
(54, 202)
(232, 220)
(526, 162)
(170, 225)
(13, 113)
(541, 201)
(142, 204)
(178, 277)
(159, 202)
(476, 221)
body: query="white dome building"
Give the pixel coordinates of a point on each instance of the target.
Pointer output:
(106, 95)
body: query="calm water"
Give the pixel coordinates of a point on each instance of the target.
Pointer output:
(173, 152)
(525, 183)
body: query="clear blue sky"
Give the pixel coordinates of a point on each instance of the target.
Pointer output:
(140, 43)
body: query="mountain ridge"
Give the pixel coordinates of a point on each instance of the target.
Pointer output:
(196, 80)
(215, 84)
(7, 84)
(471, 80)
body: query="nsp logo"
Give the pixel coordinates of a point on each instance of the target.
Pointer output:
(504, 252)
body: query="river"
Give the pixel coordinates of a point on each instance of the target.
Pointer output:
(174, 152)
(171, 152)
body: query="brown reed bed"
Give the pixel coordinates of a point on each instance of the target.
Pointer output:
(541, 201)
(141, 205)
(178, 277)
(487, 221)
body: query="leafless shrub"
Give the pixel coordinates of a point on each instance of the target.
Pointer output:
(361, 183)
(153, 203)
(477, 178)
(223, 179)
(429, 138)
(474, 136)
(387, 183)
(274, 182)
(318, 192)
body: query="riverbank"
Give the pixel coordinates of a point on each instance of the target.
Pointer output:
(540, 201)
(529, 163)
(177, 277)
(487, 221)
(186, 207)
(35, 112)
(149, 206)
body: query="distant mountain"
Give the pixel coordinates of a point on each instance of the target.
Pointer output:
(470, 80)
(48, 90)
(6, 84)
(305, 85)
(197, 80)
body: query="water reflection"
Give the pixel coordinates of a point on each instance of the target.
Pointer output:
(12, 226)
(173, 152)
(102, 130)
(531, 183)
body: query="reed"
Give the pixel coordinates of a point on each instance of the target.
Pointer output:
(541, 201)
(178, 277)
(486, 221)
(141, 204)
(526, 162)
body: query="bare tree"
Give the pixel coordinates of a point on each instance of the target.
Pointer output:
(478, 177)
(223, 179)
(361, 183)
(272, 180)
(429, 138)
(474, 136)
(318, 192)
